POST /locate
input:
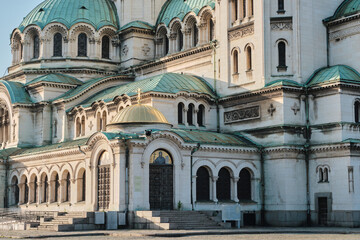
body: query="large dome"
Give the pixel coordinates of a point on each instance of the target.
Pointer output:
(98, 13)
(139, 114)
(179, 8)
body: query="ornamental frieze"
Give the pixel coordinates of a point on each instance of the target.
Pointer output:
(240, 115)
(281, 24)
(242, 31)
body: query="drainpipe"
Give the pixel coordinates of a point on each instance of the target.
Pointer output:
(307, 134)
(262, 186)
(194, 150)
(214, 46)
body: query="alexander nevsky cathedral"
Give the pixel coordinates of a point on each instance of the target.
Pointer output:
(136, 107)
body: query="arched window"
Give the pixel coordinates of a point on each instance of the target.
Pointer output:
(46, 189)
(235, 62)
(282, 55)
(321, 175)
(78, 127)
(201, 115)
(248, 58)
(58, 45)
(244, 185)
(190, 113)
(202, 184)
(35, 190)
(223, 185)
(105, 47)
(36, 50)
(251, 7)
(181, 113)
(234, 10)
(180, 40)
(15, 191)
(243, 9)
(67, 188)
(166, 43)
(212, 30)
(83, 186)
(56, 188)
(326, 174)
(195, 34)
(357, 111)
(26, 191)
(104, 121)
(98, 121)
(82, 45)
(83, 126)
(281, 6)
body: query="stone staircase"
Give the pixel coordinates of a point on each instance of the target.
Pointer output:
(73, 221)
(179, 220)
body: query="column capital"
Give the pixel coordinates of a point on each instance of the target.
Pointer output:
(215, 178)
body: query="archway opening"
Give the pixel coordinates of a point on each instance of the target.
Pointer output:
(244, 185)
(202, 185)
(161, 181)
(223, 185)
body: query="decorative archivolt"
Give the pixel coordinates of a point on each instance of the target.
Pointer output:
(16, 40)
(51, 30)
(30, 32)
(107, 31)
(82, 28)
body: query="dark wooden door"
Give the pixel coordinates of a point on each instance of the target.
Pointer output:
(323, 210)
(161, 187)
(103, 187)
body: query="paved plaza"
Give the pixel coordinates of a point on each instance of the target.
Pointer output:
(233, 234)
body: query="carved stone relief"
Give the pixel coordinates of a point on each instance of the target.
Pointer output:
(242, 115)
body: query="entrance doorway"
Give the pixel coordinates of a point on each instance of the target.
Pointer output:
(103, 186)
(161, 181)
(323, 211)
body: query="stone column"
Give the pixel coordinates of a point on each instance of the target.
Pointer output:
(187, 38)
(214, 180)
(234, 190)
(60, 192)
(21, 193)
(48, 193)
(195, 117)
(39, 197)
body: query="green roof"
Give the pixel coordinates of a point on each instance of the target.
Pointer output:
(164, 83)
(56, 78)
(180, 8)
(137, 24)
(17, 92)
(98, 13)
(283, 82)
(212, 138)
(336, 73)
(346, 8)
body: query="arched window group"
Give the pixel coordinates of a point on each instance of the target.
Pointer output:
(323, 173)
(80, 126)
(225, 185)
(41, 189)
(191, 115)
(249, 60)
(240, 9)
(101, 120)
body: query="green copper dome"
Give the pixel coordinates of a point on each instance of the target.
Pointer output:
(179, 8)
(337, 73)
(98, 13)
(346, 8)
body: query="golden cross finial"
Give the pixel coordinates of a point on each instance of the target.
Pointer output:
(139, 95)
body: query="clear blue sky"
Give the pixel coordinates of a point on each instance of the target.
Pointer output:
(11, 14)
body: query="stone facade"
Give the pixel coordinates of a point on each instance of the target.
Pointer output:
(297, 140)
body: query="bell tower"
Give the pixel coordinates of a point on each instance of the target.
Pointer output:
(138, 10)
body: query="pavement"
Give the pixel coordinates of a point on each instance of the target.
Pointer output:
(126, 233)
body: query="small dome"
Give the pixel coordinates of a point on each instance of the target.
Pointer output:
(346, 8)
(139, 114)
(98, 13)
(179, 8)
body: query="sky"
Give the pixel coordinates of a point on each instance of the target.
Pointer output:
(11, 14)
